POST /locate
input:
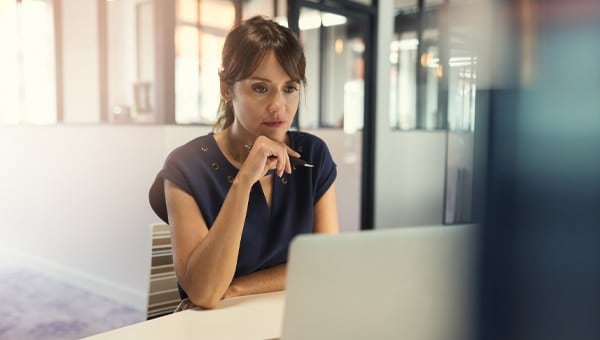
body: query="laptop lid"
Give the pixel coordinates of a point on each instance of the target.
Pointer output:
(404, 283)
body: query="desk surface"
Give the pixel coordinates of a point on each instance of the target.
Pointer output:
(257, 316)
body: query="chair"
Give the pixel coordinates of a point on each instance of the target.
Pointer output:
(163, 295)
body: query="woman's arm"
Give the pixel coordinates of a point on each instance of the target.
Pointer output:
(205, 261)
(273, 279)
(326, 213)
(262, 281)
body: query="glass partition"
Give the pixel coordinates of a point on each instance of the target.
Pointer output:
(433, 85)
(462, 80)
(334, 47)
(433, 78)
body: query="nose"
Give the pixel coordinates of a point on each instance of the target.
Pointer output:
(277, 102)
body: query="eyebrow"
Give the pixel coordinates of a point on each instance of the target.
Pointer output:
(268, 80)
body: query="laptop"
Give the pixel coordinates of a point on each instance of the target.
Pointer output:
(406, 283)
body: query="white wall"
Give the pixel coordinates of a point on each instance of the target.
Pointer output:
(410, 179)
(74, 201)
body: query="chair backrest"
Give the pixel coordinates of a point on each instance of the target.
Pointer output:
(163, 295)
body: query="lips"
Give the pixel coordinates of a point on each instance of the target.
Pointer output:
(274, 123)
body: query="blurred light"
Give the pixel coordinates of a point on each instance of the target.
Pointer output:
(329, 19)
(282, 21)
(339, 46)
(217, 14)
(315, 20)
(187, 41)
(428, 61)
(425, 59)
(406, 44)
(439, 71)
(6, 6)
(358, 46)
(462, 61)
(187, 11)
(309, 21)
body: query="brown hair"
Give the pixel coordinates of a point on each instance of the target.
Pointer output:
(245, 47)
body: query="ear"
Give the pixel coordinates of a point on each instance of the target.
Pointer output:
(226, 92)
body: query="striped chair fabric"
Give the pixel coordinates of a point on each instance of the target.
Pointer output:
(163, 296)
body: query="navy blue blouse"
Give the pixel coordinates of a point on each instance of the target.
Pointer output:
(200, 169)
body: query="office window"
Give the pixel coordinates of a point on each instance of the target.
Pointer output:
(130, 59)
(272, 8)
(27, 62)
(201, 27)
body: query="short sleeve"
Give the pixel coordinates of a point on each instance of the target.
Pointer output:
(174, 170)
(314, 150)
(327, 174)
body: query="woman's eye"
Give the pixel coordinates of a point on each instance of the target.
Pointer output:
(259, 88)
(291, 89)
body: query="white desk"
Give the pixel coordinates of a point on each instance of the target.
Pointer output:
(257, 316)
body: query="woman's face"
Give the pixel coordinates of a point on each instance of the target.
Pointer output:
(265, 103)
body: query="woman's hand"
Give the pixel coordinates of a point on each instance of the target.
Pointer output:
(264, 155)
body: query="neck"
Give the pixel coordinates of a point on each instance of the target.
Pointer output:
(236, 141)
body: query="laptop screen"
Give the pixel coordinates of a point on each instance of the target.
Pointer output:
(404, 283)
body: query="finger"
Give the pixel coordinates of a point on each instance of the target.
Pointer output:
(282, 160)
(292, 152)
(288, 165)
(271, 164)
(277, 157)
(281, 164)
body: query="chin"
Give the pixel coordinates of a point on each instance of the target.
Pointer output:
(277, 135)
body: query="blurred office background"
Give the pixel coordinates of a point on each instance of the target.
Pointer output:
(437, 112)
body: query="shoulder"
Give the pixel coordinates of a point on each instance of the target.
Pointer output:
(306, 140)
(312, 148)
(193, 147)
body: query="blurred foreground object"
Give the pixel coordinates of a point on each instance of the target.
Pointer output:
(540, 172)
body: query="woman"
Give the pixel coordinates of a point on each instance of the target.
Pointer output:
(233, 199)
